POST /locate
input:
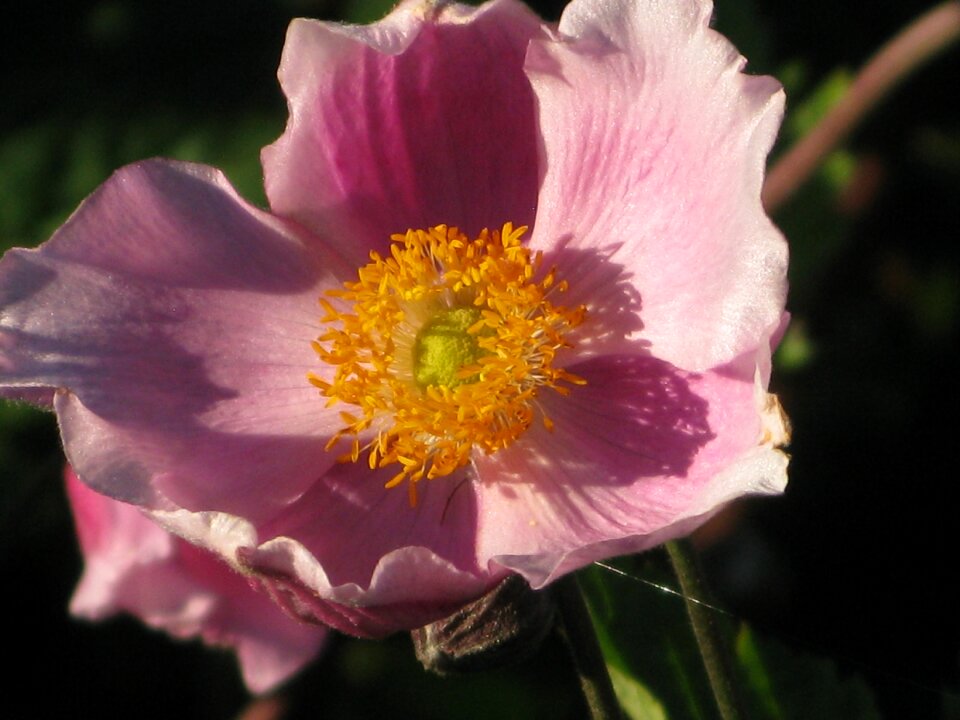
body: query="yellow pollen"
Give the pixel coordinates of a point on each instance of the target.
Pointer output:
(442, 347)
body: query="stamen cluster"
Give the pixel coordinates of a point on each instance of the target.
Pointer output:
(374, 328)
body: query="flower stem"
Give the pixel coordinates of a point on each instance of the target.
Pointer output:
(579, 635)
(919, 42)
(710, 633)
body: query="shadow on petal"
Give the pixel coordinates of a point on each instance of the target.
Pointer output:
(609, 294)
(636, 417)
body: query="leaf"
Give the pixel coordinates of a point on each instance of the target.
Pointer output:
(817, 103)
(637, 701)
(656, 667)
(645, 635)
(787, 685)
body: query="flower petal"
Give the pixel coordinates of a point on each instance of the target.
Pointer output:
(641, 454)
(654, 147)
(423, 118)
(132, 565)
(175, 321)
(355, 555)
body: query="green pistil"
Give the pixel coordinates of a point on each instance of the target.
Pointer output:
(444, 346)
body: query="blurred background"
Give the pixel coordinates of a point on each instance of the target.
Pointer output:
(853, 570)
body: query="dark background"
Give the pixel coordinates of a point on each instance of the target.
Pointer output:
(857, 562)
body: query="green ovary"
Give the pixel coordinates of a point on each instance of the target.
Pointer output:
(444, 346)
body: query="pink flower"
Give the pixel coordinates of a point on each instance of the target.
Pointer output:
(134, 566)
(534, 415)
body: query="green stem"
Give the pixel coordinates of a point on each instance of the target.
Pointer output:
(581, 639)
(919, 42)
(708, 629)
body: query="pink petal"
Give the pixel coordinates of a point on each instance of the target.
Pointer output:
(644, 452)
(174, 321)
(349, 522)
(423, 118)
(355, 555)
(654, 148)
(132, 565)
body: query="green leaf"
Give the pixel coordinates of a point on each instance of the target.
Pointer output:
(797, 349)
(645, 635)
(786, 685)
(818, 102)
(637, 701)
(657, 671)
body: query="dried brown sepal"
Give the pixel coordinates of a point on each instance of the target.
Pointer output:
(504, 626)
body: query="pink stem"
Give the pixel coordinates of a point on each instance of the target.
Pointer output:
(919, 42)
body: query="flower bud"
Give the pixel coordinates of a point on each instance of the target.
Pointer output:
(504, 626)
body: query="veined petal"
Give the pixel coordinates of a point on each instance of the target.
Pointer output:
(423, 118)
(174, 321)
(354, 556)
(654, 148)
(641, 454)
(132, 565)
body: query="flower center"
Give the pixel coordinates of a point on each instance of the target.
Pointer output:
(444, 345)
(442, 348)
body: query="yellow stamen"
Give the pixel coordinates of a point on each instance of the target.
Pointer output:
(442, 347)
